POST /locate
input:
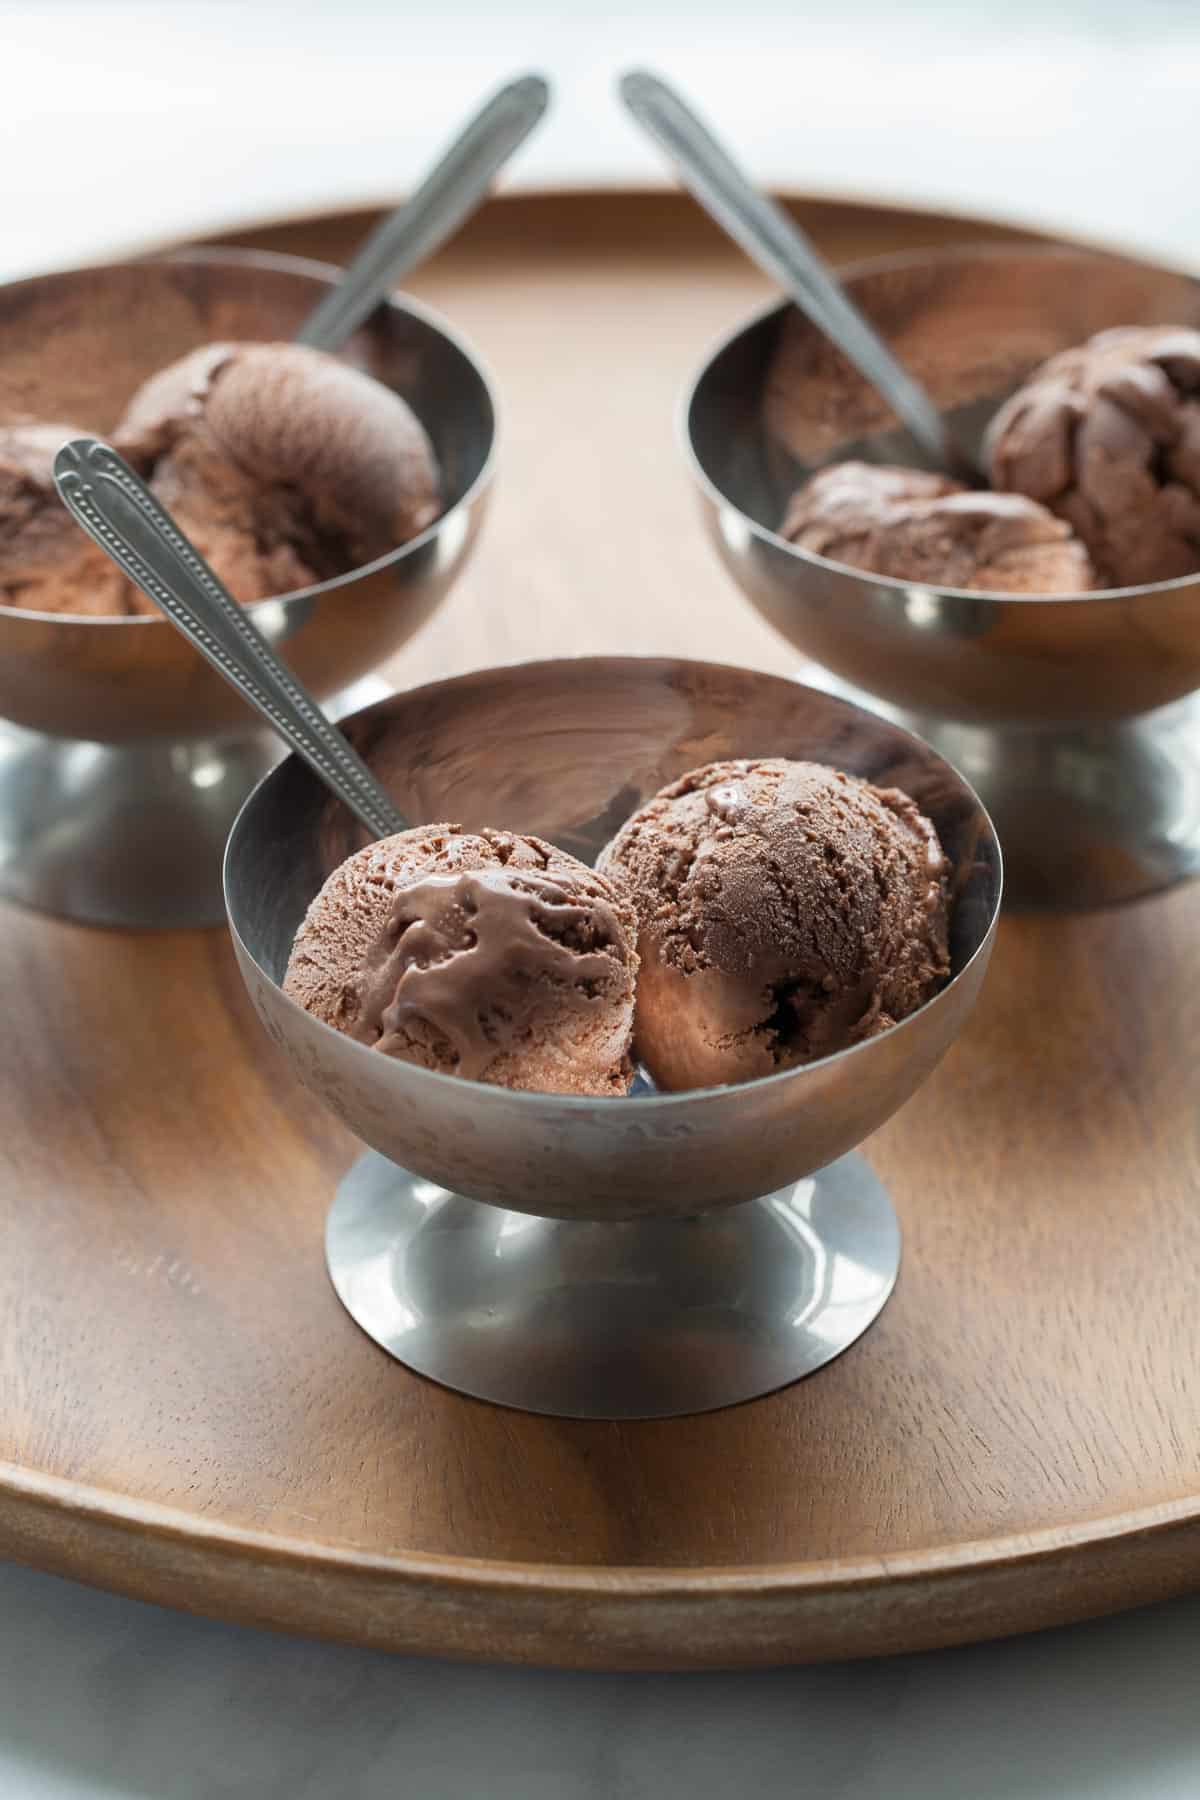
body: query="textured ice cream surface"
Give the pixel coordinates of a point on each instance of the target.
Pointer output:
(46, 562)
(284, 465)
(785, 912)
(920, 527)
(481, 954)
(1108, 436)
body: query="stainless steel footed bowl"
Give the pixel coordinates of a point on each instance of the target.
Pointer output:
(126, 757)
(589, 1282)
(1069, 714)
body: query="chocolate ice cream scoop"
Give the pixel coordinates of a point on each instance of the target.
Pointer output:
(45, 564)
(785, 911)
(916, 526)
(486, 955)
(1108, 436)
(283, 465)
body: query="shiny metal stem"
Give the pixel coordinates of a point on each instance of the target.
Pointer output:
(449, 193)
(647, 1320)
(119, 512)
(775, 242)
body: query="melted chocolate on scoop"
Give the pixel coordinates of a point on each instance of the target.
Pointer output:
(480, 959)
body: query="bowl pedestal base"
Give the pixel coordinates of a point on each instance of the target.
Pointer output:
(130, 834)
(1088, 815)
(641, 1319)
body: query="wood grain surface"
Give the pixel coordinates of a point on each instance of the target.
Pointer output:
(187, 1414)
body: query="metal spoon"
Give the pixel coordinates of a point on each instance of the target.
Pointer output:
(119, 512)
(772, 240)
(115, 508)
(451, 191)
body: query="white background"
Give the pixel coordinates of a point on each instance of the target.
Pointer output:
(125, 121)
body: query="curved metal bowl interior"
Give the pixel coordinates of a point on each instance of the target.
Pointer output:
(568, 750)
(773, 402)
(74, 346)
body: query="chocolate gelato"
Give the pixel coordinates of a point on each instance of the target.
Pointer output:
(1108, 437)
(921, 527)
(785, 911)
(486, 955)
(46, 563)
(283, 465)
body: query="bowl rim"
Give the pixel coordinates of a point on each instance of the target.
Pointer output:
(328, 273)
(673, 1100)
(882, 265)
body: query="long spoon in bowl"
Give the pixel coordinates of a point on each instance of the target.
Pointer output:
(772, 239)
(450, 192)
(118, 511)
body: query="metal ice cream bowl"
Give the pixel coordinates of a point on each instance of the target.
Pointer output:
(653, 1254)
(1071, 715)
(125, 757)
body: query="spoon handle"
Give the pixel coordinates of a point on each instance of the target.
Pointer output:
(452, 189)
(118, 511)
(775, 242)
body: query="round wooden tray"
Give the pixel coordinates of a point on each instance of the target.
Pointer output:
(187, 1414)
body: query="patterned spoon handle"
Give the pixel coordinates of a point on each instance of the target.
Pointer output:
(119, 512)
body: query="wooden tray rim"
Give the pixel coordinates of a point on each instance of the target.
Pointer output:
(56, 1494)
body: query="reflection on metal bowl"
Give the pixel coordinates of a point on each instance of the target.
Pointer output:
(1065, 711)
